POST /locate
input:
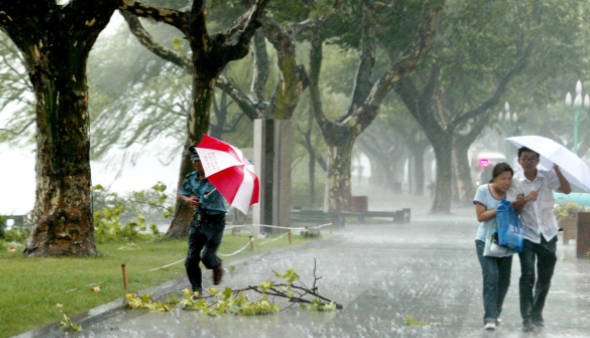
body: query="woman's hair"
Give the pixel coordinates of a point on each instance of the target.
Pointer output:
(500, 168)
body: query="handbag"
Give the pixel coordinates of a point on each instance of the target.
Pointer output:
(492, 247)
(509, 227)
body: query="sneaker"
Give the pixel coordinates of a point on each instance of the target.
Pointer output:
(217, 275)
(498, 321)
(490, 326)
(539, 323)
(527, 328)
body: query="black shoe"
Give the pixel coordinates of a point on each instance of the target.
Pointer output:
(539, 323)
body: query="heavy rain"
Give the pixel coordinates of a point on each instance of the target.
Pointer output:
(294, 168)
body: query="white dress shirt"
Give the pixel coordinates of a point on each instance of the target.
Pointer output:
(537, 217)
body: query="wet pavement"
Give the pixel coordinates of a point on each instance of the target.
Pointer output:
(381, 273)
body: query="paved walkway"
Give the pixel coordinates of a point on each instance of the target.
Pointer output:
(382, 273)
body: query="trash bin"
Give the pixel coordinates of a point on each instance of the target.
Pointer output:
(360, 203)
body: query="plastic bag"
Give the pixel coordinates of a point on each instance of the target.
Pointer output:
(509, 227)
(492, 247)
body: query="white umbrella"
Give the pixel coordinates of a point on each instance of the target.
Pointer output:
(573, 168)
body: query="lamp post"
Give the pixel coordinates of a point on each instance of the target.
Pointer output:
(507, 123)
(573, 112)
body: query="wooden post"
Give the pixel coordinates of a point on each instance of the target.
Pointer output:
(330, 227)
(289, 236)
(319, 232)
(306, 232)
(125, 281)
(252, 243)
(583, 236)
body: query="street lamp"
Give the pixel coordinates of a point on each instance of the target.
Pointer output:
(507, 123)
(573, 112)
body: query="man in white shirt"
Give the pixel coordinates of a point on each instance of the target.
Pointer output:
(539, 228)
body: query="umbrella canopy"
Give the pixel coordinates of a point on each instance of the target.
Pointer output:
(230, 172)
(573, 168)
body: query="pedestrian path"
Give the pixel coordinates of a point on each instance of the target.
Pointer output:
(384, 275)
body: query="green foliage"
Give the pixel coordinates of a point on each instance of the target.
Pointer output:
(2, 226)
(228, 302)
(135, 301)
(18, 235)
(568, 210)
(108, 223)
(66, 322)
(410, 321)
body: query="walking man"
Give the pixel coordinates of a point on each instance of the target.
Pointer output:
(207, 225)
(531, 192)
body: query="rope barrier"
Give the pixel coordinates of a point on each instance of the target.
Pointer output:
(220, 254)
(274, 239)
(165, 266)
(238, 251)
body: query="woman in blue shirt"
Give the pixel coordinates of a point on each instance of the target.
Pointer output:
(495, 267)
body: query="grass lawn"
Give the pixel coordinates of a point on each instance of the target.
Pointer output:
(30, 288)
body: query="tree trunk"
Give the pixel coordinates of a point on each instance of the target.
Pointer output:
(198, 123)
(312, 178)
(444, 175)
(462, 174)
(183, 212)
(338, 183)
(64, 223)
(55, 42)
(418, 170)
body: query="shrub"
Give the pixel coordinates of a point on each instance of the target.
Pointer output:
(2, 226)
(568, 210)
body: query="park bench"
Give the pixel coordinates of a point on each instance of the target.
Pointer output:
(400, 216)
(337, 219)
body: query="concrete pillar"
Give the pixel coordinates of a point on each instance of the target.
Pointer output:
(262, 214)
(272, 162)
(282, 173)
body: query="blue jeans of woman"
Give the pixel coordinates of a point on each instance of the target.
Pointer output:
(205, 233)
(496, 280)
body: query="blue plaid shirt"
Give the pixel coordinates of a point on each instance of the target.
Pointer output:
(212, 205)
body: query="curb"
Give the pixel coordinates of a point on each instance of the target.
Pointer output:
(114, 307)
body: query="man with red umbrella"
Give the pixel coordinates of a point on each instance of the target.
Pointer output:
(207, 225)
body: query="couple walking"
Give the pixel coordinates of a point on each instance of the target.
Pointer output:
(530, 193)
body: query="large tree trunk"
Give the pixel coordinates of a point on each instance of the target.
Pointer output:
(64, 223)
(338, 183)
(55, 42)
(444, 175)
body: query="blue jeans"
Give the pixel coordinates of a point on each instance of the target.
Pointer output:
(206, 233)
(531, 305)
(496, 280)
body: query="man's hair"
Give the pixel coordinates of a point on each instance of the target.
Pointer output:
(525, 149)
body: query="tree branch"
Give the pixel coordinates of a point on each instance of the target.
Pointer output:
(146, 39)
(407, 61)
(168, 16)
(243, 101)
(15, 133)
(261, 66)
(500, 89)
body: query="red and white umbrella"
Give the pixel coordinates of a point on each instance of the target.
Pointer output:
(230, 172)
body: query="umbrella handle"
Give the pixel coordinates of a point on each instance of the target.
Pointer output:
(210, 192)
